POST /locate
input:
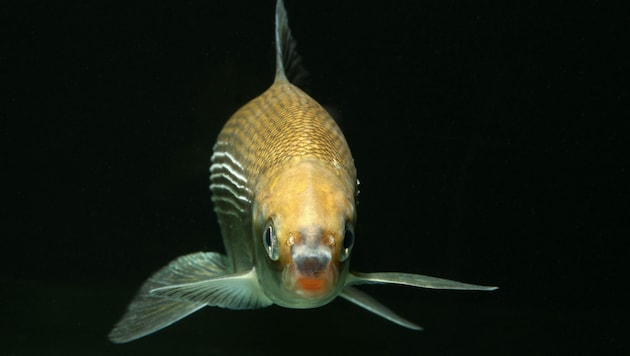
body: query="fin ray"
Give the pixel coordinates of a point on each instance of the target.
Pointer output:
(151, 311)
(365, 301)
(413, 280)
(236, 291)
(147, 314)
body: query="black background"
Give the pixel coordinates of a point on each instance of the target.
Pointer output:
(489, 140)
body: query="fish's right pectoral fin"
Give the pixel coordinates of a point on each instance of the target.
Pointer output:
(147, 314)
(236, 291)
(184, 286)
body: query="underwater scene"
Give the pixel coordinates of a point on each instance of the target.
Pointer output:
(397, 164)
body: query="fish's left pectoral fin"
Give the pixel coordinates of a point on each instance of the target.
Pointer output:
(235, 291)
(367, 302)
(413, 280)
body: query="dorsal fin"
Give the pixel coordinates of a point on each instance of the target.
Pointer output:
(288, 61)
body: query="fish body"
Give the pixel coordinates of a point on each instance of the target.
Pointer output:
(280, 164)
(284, 187)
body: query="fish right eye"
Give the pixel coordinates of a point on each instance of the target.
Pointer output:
(270, 242)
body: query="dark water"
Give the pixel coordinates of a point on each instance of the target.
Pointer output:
(488, 140)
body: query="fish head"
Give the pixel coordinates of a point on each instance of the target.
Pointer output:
(305, 229)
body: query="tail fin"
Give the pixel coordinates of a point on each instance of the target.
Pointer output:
(288, 61)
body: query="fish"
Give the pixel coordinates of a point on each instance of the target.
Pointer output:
(284, 187)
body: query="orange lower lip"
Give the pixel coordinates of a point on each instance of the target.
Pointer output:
(311, 284)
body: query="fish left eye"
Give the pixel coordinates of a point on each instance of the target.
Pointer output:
(348, 242)
(271, 242)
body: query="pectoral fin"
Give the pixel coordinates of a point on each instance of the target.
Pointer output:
(147, 314)
(408, 279)
(236, 291)
(365, 301)
(184, 286)
(413, 280)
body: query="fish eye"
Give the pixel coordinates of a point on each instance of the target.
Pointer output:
(270, 242)
(348, 242)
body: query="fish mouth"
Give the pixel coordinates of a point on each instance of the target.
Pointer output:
(310, 284)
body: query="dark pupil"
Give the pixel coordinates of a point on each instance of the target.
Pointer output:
(268, 233)
(348, 240)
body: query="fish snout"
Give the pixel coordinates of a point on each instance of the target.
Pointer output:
(313, 273)
(312, 264)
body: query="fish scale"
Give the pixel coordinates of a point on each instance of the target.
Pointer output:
(281, 124)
